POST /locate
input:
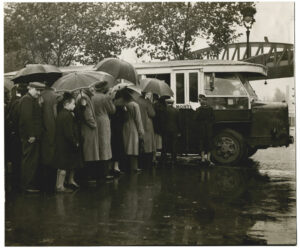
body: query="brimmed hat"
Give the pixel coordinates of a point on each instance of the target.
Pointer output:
(101, 86)
(170, 101)
(201, 96)
(37, 85)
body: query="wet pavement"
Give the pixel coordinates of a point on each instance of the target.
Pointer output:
(250, 204)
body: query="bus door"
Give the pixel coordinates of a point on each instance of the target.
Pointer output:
(186, 88)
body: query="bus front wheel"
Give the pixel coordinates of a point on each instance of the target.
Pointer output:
(229, 147)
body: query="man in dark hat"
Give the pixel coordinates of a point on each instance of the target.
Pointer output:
(30, 130)
(14, 147)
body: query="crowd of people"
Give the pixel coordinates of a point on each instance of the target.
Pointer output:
(60, 142)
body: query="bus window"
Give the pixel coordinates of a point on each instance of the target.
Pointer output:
(248, 87)
(226, 84)
(193, 84)
(180, 88)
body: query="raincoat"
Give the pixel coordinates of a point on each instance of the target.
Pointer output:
(89, 130)
(104, 107)
(132, 129)
(147, 113)
(67, 152)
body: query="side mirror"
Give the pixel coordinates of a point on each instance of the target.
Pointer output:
(212, 82)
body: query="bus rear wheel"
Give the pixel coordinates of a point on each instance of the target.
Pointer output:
(229, 147)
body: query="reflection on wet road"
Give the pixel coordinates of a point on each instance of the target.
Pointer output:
(253, 204)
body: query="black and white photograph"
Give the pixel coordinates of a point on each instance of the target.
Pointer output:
(155, 123)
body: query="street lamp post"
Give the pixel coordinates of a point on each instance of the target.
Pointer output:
(248, 20)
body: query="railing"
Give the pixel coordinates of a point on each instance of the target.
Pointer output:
(273, 55)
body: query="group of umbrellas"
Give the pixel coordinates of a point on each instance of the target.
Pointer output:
(109, 72)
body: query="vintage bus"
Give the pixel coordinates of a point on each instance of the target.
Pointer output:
(243, 123)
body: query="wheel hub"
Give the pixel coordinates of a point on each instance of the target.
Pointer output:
(226, 147)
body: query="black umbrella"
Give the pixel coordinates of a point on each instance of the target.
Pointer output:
(37, 73)
(156, 86)
(118, 68)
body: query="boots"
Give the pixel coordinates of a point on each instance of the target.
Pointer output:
(209, 159)
(133, 163)
(72, 182)
(202, 156)
(116, 169)
(60, 179)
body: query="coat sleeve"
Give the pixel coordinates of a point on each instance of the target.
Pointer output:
(138, 120)
(111, 108)
(150, 110)
(199, 115)
(89, 117)
(68, 129)
(55, 101)
(26, 116)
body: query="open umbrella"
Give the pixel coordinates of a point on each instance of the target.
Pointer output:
(128, 85)
(37, 73)
(133, 89)
(156, 86)
(118, 68)
(82, 80)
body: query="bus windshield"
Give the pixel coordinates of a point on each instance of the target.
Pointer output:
(225, 84)
(248, 87)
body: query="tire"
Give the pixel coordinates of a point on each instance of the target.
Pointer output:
(251, 151)
(229, 147)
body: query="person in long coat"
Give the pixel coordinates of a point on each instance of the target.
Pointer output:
(133, 131)
(49, 110)
(30, 131)
(86, 116)
(204, 117)
(117, 149)
(170, 131)
(160, 107)
(67, 153)
(15, 145)
(104, 107)
(89, 128)
(147, 113)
